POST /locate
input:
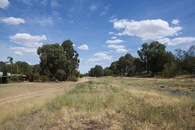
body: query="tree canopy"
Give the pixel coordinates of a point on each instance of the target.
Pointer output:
(97, 71)
(153, 56)
(72, 61)
(59, 61)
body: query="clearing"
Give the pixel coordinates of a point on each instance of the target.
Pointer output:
(115, 103)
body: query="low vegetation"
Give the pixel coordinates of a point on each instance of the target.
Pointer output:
(115, 103)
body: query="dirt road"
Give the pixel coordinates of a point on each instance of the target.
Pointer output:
(21, 91)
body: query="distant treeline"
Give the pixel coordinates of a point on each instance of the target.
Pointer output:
(153, 60)
(58, 62)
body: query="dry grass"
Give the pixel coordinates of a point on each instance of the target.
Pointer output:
(23, 98)
(113, 103)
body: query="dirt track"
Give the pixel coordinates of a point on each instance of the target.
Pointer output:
(37, 93)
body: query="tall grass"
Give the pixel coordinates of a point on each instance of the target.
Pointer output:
(86, 96)
(112, 103)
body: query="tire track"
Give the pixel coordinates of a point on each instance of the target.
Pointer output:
(29, 95)
(36, 94)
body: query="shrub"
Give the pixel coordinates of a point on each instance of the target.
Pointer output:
(73, 78)
(15, 78)
(44, 78)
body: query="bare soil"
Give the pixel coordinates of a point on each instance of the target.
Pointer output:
(19, 91)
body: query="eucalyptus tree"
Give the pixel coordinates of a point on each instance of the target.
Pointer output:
(153, 56)
(52, 59)
(59, 61)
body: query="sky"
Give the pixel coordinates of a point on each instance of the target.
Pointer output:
(101, 30)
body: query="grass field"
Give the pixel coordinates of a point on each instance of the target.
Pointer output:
(101, 103)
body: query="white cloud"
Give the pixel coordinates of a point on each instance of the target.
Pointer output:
(177, 41)
(83, 47)
(113, 37)
(146, 29)
(21, 50)
(114, 41)
(4, 4)
(100, 56)
(119, 48)
(115, 46)
(12, 21)
(181, 40)
(18, 52)
(28, 40)
(93, 7)
(103, 56)
(175, 21)
(164, 40)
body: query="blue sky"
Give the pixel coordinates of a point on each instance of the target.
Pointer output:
(101, 30)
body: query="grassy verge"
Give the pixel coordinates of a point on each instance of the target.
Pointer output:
(112, 103)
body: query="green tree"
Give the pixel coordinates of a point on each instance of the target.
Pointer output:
(180, 56)
(36, 69)
(72, 61)
(139, 66)
(52, 58)
(60, 75)
(153, 56)
(97, 71)
(114, 68)
(170, 67)
(92, 72)
(22, 67)
(190, 60)
(107, 71)
(186, 60)
(125, 65)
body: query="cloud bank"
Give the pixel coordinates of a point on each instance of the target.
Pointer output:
(146, 29)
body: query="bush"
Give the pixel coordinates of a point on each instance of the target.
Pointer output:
(44, 78)
(36, 76)
(15, 78)
(73, 78)
(81, 75)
